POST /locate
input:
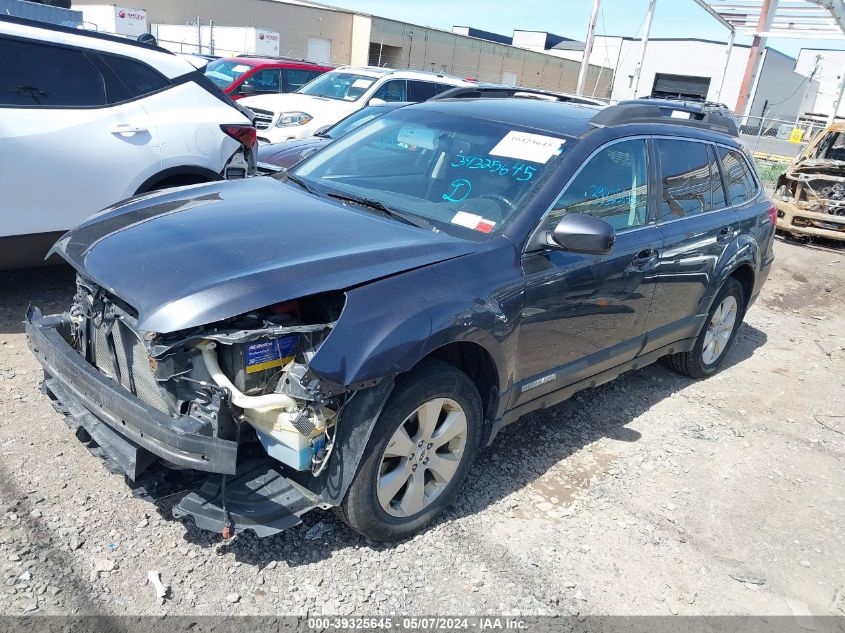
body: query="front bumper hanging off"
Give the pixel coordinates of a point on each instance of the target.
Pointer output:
(73, 378)
(133, 436)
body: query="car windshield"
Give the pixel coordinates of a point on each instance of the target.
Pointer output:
(225, 73)
(338, 85)
(463, 175)
(356, 120)
(831, 147)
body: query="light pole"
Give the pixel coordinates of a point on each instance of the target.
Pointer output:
(588, 49)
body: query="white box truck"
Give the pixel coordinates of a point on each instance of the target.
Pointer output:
(111, 18)
(225, 41)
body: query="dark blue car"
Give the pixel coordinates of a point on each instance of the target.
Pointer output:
(350, 333)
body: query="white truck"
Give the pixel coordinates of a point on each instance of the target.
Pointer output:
(226, 41)
(111, 18)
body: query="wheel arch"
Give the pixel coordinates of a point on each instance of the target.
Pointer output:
(201, 174)
(744, 274)
(474, 360)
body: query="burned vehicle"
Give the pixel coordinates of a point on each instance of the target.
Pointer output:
(810, 195)
(350, 333)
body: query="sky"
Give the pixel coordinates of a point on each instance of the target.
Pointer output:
(569, 18)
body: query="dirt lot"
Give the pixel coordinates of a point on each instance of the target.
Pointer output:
(654, 494)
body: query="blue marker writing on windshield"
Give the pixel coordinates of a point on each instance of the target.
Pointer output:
(460, 190)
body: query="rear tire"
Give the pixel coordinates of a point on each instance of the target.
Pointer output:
(419, 454)
(716, 337)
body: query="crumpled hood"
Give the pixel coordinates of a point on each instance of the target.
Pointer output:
(198, 254)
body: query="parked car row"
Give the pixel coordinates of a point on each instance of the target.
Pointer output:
(249, 75)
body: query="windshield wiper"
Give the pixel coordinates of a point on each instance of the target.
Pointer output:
(378, 205)
(299, 181)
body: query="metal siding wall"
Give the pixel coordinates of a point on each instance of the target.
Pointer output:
(463, 56)
(294, 23)
(781, 87)
(41, 12)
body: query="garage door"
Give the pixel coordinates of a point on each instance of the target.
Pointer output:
(680, 86)
(319, 50)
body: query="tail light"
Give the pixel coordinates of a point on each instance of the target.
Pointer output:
(246, 135)
(773, 215)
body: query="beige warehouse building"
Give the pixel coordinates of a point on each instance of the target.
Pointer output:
(329, 34)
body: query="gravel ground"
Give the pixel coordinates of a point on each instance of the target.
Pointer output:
(654, 494)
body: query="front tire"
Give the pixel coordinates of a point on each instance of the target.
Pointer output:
(419, 455)
(716, 337)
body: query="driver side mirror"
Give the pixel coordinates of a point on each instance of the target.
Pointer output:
(579, 233)
(376, 101)
(246, 90)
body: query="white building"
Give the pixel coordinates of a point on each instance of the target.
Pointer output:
(690, 68)
(831, 66)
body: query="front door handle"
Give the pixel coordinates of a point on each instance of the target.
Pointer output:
(726, 235)
(123, 128)
(646, 258)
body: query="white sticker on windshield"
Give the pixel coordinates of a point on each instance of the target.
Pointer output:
(473, 221)
(523, 146)
(422, 137)
(241, 68)
(362, 83)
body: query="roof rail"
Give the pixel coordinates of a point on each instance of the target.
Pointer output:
(83, 32)
(508, 92)
(702, 115)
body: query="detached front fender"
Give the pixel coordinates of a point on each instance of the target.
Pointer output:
(378, 329)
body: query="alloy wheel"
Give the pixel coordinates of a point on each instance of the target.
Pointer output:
(719, 330)
(422, 457)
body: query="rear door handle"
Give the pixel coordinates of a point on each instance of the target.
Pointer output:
(123, 128)
(726, 234)
(645, 259)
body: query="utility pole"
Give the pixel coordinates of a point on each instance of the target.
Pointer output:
(807, 90)
(755, 56)
(731, 39)
(199, 34)
(836, 103)
(648, 18)
(588, 49)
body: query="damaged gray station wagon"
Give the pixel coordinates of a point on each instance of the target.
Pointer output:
(350, 333)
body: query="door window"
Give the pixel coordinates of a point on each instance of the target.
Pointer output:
(686, 178)
(393, 90)
(613, 186)
(40, 75)
(267, 81)
(740, 181)
(421, 90)
(296, 78)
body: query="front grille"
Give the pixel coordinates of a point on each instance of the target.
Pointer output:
(263, 118)
(119, 354)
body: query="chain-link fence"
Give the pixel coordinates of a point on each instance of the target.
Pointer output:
(778, 137)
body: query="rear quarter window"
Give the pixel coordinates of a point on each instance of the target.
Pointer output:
(739, 178)
(138, 78)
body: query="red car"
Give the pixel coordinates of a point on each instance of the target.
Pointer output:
(246, 76)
